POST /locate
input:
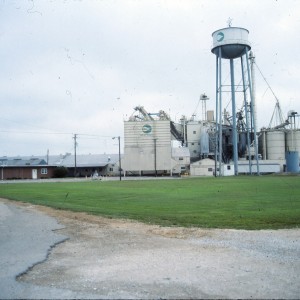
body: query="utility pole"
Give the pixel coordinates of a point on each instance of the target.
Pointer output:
(120, 168)
(3, 165)
(155, 158)
(75, 158)
(47, 156)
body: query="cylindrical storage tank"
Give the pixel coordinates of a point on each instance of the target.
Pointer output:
(232, 40)
(293, 140)
(242, 145)
(204, 141)
(276, 145)
(262, 144)
(292, 161)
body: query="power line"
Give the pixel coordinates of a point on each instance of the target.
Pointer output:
(264, 78)
(26, 124)
(277, 110)
(62, 133)
(47, 130)
(33, 132)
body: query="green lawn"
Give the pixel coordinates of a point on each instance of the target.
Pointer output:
(244, 202)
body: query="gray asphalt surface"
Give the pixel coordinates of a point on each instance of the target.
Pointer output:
(25, 240)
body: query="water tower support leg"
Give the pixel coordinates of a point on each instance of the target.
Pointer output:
(217, 114)
(246, 115)
(234, 132)
(220, 112)
(252, 114)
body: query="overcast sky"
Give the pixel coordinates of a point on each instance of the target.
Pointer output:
(80, 67)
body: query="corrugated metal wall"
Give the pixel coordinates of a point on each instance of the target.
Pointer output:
(140, 140)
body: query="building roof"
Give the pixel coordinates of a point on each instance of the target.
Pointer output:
(66, 160)
(203, 162)
(89, 160)
(20, 162)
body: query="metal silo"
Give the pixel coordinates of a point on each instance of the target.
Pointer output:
(204, 141)
(292, 144)
(293, 140)
(232, 43)
(292, 161)
(276, 145)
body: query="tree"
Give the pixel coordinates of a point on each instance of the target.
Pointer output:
(60, 172)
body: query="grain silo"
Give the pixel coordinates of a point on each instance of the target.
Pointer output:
(275, 145)
(293, 140)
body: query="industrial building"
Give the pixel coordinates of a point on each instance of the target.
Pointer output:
(148, 150)
(225, 141)
(155, 145)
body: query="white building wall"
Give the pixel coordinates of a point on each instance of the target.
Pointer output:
(193, 133)
(264, 167)
(204, 167)
(180, 160)
(228, 170)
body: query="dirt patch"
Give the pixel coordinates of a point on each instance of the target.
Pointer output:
(111, 258)
(79, 218)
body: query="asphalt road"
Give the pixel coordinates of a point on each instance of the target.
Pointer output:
(25, 240)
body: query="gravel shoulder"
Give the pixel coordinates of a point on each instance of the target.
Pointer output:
(108, 258)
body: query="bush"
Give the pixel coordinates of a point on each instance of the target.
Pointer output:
(60, 172)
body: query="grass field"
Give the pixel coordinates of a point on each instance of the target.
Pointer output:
(244, 202)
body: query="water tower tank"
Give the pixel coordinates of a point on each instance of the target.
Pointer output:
(232, 40)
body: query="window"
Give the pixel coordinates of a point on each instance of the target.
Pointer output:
(193, 143)
(180, 158)
(228, 168)
(195, 151)
(44, 171)
(111, 169)
(194, 132)
(210, 169)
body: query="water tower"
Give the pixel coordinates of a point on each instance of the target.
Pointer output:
(232, 43)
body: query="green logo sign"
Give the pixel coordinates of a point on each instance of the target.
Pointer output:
(220, 36)
(147, 128)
